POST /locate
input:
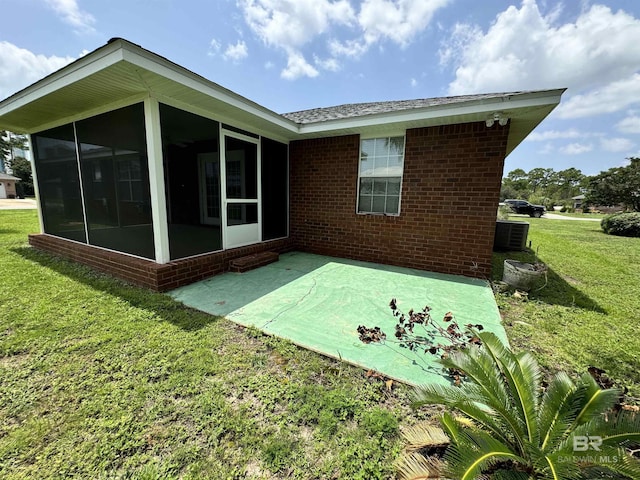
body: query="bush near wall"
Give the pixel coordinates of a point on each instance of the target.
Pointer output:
(622, 224)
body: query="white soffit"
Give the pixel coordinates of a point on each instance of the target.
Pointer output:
(122, 73)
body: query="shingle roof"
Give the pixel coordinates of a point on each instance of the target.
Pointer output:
(351, 110)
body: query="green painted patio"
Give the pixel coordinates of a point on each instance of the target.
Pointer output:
(318, 302)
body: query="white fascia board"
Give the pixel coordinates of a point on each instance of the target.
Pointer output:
(479, 107)
(72, 73)
(192, 80)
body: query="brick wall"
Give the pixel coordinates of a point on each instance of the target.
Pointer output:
(145, 272)
(449, 200)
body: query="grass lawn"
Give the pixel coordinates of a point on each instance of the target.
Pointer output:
(104, 380)
(587, 314)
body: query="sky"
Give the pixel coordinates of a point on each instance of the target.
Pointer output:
(290, 55)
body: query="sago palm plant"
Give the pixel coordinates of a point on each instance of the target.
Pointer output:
(520, 430)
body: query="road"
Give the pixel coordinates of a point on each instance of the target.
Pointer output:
(555, 216)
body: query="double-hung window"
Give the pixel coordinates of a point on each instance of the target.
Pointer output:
(380, 175)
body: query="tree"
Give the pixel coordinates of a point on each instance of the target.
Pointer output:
(21, 168)
(618, 185)
(515, 185)
(18, 165)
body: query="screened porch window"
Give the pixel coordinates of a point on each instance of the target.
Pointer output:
(380, 175)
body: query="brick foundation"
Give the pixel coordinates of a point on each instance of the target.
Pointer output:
(450, 194)
(145, 272)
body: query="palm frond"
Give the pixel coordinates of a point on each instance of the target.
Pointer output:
(522, 373)
(458, 399)
(413, 466)
(424, 435)
(554, 466)
(474, 452)
(619, 430)
(596, 399)
(554, 415)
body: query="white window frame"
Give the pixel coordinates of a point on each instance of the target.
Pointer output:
(360, 176)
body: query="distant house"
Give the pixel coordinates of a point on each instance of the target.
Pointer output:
(578, 200)
(8, 185)
(150, 172)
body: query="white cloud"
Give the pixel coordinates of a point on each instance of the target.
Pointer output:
(630, 124)
(20, 67)
(236, 52)
(214, 47)
(397, 20)
(616, 144)
(524, 49)
(298, 67)
(555, 135)
(330, 64)
(576, 148)
(414, 82)
(291, 25)
(612, 97)
(71, 14)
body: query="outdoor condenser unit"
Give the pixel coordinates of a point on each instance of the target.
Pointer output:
(511, 235)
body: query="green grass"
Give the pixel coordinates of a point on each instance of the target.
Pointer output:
(103, 380)
(99, 379)
(587, 314)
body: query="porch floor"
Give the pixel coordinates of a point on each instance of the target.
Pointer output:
(318, 302)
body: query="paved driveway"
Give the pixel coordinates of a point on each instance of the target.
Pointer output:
(17, 204)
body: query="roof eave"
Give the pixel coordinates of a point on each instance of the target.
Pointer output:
(474, 110)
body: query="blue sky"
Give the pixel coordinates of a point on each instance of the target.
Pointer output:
(295, 54)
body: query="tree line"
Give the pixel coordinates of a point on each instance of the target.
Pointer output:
(618, 186)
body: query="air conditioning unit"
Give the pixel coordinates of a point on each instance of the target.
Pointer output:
(511, 235)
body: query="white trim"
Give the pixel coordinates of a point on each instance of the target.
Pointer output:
(226, 238)
(82, 199)
(156, 181)
(217, 117)
(471, 108)
(156, 64)
(404, 150)
(78, 70)
(36, 187)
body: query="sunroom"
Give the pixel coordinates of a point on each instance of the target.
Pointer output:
(154, 174)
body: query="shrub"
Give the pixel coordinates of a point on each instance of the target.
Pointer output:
(506, 424)
(622, 224)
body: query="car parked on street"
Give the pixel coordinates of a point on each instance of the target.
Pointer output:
(525, 208)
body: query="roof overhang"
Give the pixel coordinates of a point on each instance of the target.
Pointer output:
(121, 73)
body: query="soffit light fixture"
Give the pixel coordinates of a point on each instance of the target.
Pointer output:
(499, 117)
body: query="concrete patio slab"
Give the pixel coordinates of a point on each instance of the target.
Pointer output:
(318, 302)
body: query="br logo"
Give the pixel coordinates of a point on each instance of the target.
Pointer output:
(583, 443)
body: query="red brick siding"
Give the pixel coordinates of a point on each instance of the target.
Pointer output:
(145, 272)
(450, 194)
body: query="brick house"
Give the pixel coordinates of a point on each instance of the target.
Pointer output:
(151, 173)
